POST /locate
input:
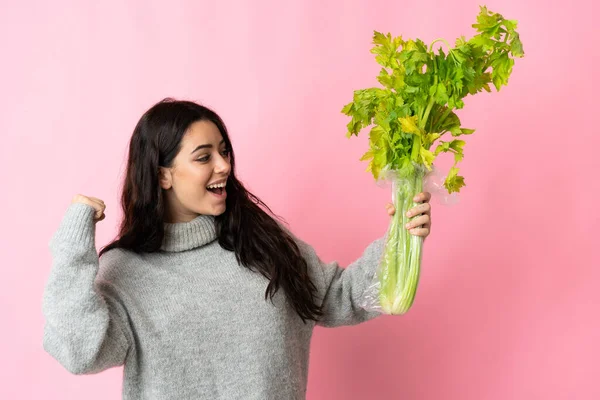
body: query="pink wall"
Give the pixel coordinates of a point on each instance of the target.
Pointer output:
(508, 306)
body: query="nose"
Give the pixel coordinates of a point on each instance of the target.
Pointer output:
(222, 166)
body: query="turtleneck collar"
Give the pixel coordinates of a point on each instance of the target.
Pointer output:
(182, 236)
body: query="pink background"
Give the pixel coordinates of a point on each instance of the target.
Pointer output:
(507, 307)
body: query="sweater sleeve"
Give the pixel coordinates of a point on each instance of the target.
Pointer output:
(342, 288)
(86, 328)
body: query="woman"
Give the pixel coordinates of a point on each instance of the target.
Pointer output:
(202, 295)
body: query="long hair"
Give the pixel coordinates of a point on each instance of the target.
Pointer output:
(259, 242)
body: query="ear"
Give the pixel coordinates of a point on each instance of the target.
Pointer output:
(165, 178)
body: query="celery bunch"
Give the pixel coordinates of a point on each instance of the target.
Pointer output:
(410, 115)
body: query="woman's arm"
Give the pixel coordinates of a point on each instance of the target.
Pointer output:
(342, 288)
(86, 329)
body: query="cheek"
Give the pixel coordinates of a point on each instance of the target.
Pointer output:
(192, 182)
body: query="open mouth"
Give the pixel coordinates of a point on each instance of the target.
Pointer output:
(218, 191)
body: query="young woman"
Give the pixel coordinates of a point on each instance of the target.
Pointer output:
(203, 295)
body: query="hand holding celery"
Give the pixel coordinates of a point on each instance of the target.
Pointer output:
(411, 113)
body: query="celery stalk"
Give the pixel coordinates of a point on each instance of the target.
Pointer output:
(401, 263)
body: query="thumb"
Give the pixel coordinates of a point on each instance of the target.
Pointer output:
(390, 208)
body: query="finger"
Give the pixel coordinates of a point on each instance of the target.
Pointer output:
(420, 221)
(424, 208)
(100, 218)
(419, 232)
(97, 201)
(422, 197)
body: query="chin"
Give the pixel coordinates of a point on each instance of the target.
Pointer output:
(215, 211)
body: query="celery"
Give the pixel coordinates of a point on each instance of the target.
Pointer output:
(411, 112)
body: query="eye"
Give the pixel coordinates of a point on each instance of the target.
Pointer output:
(225, 153)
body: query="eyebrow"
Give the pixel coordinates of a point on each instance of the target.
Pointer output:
(204, 146)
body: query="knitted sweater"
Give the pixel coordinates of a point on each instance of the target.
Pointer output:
(187, 322)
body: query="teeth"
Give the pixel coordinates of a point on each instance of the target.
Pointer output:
(220, 185)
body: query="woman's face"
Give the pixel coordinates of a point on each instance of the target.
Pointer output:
(202, 161)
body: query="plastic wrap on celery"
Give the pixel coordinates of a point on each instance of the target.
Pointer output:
(395, 283)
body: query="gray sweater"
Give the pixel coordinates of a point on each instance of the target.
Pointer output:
(187, 322)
